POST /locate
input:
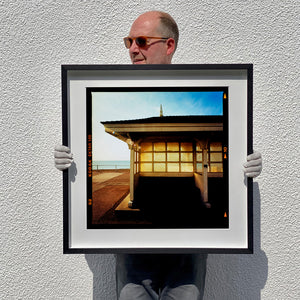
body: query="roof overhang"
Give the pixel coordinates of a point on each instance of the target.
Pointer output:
(181, 125)
(163, 127)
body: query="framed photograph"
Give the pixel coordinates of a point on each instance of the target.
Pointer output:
(158, 154)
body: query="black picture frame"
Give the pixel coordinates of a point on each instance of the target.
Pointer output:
(79, 81)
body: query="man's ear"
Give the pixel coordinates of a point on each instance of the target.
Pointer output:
(170, 46)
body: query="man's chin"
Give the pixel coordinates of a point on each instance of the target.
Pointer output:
(139, 62)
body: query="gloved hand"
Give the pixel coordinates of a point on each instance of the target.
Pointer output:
(253, 166)
(63, 157)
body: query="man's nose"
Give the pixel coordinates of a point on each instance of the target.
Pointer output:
(134, 48)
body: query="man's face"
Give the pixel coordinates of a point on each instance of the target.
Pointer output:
(157, 52)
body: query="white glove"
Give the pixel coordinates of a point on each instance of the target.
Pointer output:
(63, 157)
(253, 166)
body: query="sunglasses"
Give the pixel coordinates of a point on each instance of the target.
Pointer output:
(141, 41)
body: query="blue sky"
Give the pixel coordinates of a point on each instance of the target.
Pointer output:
(113, 106)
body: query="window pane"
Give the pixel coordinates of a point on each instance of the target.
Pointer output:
(159, 147)
(173, 156)
(173, 146)
(146, 147)
(173, 167)
(159, 156)
(198, 148)
(136, 156)
(159, 167)
(187, 167)
(199, 167)
(186, 156)
(146, 167)
(215, 156)
(186, 147)
(146, 156)
(216, 167)
(199, 156)
(217, 146)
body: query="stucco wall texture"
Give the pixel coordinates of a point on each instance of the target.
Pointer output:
(36, 37)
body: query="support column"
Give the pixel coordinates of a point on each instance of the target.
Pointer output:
(132, 174)
(205, 175)
(204, 146)
(131, 184)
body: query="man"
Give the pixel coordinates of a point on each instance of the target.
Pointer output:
(153, 39)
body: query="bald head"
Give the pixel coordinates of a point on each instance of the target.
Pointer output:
(157, 51)
(166, 25)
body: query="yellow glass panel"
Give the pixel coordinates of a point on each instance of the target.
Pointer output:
(159, 146)
(173, 167)
(159, 167)
(159, 157)
(173, 146)
(146, 167)
(146, 147)
(216, 167)
(217, 146)
(199, 156)
(186, 147)
(215, 156)
(146, 156)
(187, 156)
(173, 156)
(198, 148)
(187, 167)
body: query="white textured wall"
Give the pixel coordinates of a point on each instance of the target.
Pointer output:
(36, 37)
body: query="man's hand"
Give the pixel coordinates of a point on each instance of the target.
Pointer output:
(63, 157)
(253, 166)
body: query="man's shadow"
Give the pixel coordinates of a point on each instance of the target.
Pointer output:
(242, 276)
(104, 280)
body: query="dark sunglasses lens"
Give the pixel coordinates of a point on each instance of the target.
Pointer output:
(140, 41)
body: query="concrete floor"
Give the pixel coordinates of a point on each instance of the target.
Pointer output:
(109, 188)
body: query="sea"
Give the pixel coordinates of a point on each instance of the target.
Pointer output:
(110, 164)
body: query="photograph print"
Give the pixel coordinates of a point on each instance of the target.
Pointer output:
(157, 157)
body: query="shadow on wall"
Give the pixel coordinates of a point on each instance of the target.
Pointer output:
(239, 276)
(104, 280)
(73, 172)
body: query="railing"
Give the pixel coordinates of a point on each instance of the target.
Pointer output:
(112, 166)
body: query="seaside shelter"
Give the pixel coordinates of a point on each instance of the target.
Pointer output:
(169, 151)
